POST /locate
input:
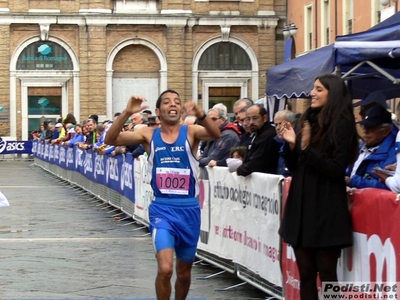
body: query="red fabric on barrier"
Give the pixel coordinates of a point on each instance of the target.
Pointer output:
(291, 277)
(374, 211)
(376, 225)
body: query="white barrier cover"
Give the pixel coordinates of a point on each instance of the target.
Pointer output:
(143, 191)
(244, 221)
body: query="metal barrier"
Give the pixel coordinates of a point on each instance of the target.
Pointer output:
(101, 192)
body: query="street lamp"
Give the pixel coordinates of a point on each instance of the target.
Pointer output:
(289, 31)
(286, 31)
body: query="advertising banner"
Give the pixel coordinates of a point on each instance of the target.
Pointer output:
(15, 147)
(245, 218)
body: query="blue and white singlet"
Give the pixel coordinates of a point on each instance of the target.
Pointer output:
(173, 168)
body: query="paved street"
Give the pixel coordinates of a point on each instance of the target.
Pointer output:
(58, 243)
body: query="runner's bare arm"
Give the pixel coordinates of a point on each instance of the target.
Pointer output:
(208, 130)
(114, 135)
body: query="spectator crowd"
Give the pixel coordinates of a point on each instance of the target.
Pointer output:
(250, 142)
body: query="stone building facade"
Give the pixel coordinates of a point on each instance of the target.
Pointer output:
(89, 56)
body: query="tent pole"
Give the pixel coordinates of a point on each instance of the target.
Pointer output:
(374, 66)
(338, 70)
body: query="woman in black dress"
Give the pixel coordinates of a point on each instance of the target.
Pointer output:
(317, 221)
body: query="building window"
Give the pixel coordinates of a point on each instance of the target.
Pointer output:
(376, 8)
(348, 6)
(44, 56)
(308, 42)
(224, 56)
(325, 23)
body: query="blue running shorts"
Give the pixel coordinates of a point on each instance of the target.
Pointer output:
(175, 223)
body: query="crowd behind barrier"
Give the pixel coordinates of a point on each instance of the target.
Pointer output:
(240, 218)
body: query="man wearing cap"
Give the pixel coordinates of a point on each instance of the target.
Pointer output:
(128, 125)
(370, 100)
(58, 128)
(377, 149)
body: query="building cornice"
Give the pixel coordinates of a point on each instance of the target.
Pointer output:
(170, 20)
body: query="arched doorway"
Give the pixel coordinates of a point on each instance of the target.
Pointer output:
(41, 75)
(224, 71)
(135, 67)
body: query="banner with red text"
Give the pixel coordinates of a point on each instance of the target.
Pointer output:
(244, 221)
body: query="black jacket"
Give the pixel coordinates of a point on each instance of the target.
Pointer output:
(316, 213)
(263, 153)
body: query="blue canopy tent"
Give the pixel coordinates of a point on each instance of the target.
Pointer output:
(370, 60)
(372, 64)
(295, 78)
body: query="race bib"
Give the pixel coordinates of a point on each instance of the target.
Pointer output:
(173, 180)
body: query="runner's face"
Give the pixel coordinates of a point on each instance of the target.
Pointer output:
(170, 108)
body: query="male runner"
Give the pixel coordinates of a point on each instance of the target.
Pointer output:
(175, 212)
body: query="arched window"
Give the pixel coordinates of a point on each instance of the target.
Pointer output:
(44, 56)
(224, 56)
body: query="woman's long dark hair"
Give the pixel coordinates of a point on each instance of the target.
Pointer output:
(339, 106)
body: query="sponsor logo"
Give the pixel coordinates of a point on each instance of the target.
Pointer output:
(160, 149)
(70, 156)
(99, 166)
(46, 154)
(51, 152)
(43, 101)
(3, 145)
(126, 176)
(62, 155)
(11, 146)
(34, 147)
(78, 158)
(112, 170)
(44, 49)
(56, 152)
(177, 149)
(87, 164)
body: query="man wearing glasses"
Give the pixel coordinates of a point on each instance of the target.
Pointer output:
(263, 152)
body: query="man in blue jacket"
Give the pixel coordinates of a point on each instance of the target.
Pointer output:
(377, 149)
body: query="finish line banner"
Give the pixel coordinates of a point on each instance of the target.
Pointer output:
(15, 147)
